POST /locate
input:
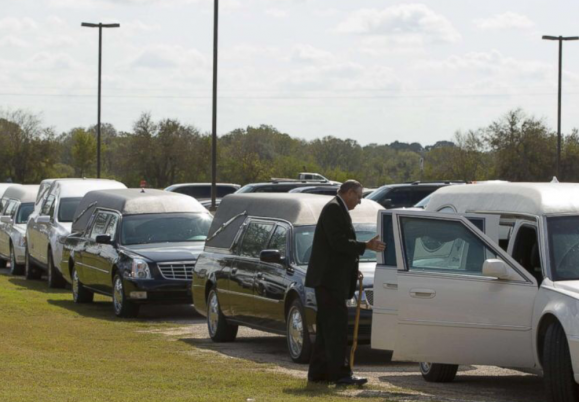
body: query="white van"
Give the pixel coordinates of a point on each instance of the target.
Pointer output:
(51, 222)
(487, 274)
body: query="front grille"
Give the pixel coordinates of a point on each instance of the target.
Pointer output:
(177, 270)
(369, 296)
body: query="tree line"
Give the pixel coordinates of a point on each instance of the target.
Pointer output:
(515, 147)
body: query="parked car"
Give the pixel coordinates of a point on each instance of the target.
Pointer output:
(51, 220)
(279, 186)
(137, 246)
(18, 202)
(202, 191)
(253, 269)
(407, 194)
(316, 177)
(3, 188)
(323, 190)
(497, 288)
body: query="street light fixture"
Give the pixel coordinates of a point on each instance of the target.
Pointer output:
(560, 39)
(100, 26)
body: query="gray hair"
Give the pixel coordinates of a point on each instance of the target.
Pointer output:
(349, 185)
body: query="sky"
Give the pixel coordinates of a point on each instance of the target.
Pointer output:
(373, 71)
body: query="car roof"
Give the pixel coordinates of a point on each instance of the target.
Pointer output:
(133, 201)
(79, 187)
(22, 193)
(520, 198)
(307, 188)
(177, 185)
(5, 186)
(299, 209)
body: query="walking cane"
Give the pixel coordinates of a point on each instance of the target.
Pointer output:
(357, 321)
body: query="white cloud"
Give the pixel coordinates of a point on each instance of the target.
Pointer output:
(508, 20)
(412, 23)
(276, 12)
(13, 41)
(310, 54)
(169, 57)
(16, 25)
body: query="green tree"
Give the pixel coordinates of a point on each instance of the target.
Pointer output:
(83, 151)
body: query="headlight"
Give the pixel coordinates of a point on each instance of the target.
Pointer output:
(139, 270)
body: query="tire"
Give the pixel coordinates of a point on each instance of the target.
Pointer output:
(123, 308)
(80, 294)
(15, 269)
(219, 329)
(436, 372)
(30, 271)
(3, 263)
(297, 335)
(560, 385)
(55, 279)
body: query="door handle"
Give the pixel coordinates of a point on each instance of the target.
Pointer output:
(259, 276)
(392, 286)
(233, 271)
(422, 293)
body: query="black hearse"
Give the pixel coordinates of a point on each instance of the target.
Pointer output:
(138, 246)
(253, 268)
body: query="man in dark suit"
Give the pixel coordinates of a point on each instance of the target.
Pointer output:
(333, 272)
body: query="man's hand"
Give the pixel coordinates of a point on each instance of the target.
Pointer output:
(375, 245)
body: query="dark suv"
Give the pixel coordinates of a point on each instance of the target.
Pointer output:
(281, 186)
(407, 194)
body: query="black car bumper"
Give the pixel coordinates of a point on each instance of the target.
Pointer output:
(158, 291)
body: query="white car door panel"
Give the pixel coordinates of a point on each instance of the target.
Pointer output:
(449, 312)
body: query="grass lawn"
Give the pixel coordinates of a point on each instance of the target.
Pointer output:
(54, 350)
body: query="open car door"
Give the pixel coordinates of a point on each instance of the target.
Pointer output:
(461, 298)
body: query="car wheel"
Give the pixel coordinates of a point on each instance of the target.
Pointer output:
(436, 372)
(298, 337)
(123, 307)
(219, 329)
(3, 263)
(55, 279)
(560, 385)
(80, 294)
(30, 271)
(15, 269)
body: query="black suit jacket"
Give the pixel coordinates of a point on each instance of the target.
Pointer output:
(335, 252)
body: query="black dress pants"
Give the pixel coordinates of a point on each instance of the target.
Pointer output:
(329, 360)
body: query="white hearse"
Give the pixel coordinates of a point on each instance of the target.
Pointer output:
(18, 203)
(51, 220)
(488, 274)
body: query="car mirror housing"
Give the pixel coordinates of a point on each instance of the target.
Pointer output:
(103, 239)
(6, 219)
(387, 203)
(496, 269)
(43, 219)
(271, 256)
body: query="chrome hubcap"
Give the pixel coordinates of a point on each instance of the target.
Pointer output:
(75, 284)
(425, 367)
(118, 295)
(213, 313)
(295, 331)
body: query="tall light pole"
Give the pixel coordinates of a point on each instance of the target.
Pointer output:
(100, 26)
(560, 39)
(214, 124)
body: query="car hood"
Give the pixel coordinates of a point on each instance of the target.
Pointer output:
(164, 252)
(568, 286)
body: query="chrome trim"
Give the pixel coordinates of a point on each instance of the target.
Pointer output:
(91, 267)
(464, 325)
(177, 270)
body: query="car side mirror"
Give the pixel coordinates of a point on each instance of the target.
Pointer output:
(43, 219)
(387, 204)
(104, 239)
(496, 269)
(6, 219)
(271, 256)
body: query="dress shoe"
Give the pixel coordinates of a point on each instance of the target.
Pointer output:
(352, 380)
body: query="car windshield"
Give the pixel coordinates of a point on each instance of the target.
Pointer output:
(304, 238)
(378, 194)
(67, 208)
(24, 212)
(202, 192)
(424, 202)
(563, 234)
(246, 189)
(165, 228)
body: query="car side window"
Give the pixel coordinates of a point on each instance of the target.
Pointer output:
(420, 192)
(48, 205)
(10, 208)
(399, 197)
(99, 225)
(279, 240)
(432, 245)
(112, 226)
(255, 239)
(3, 204)
(14, 206)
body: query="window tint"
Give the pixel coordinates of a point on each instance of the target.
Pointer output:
(420, 192)
(399, 197)
(3, 203)
(47, 206)
(279, 240)
(24, 212)
(255, 239)
(563, 234)
(388, 238)
(11, 208)
(112, 227)
(205, 191)
(67, 208)
(442, 246)
(99, 225)
(165, 228)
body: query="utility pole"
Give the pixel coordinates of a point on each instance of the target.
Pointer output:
(100, 26)
(214, 125)
(560, 39)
